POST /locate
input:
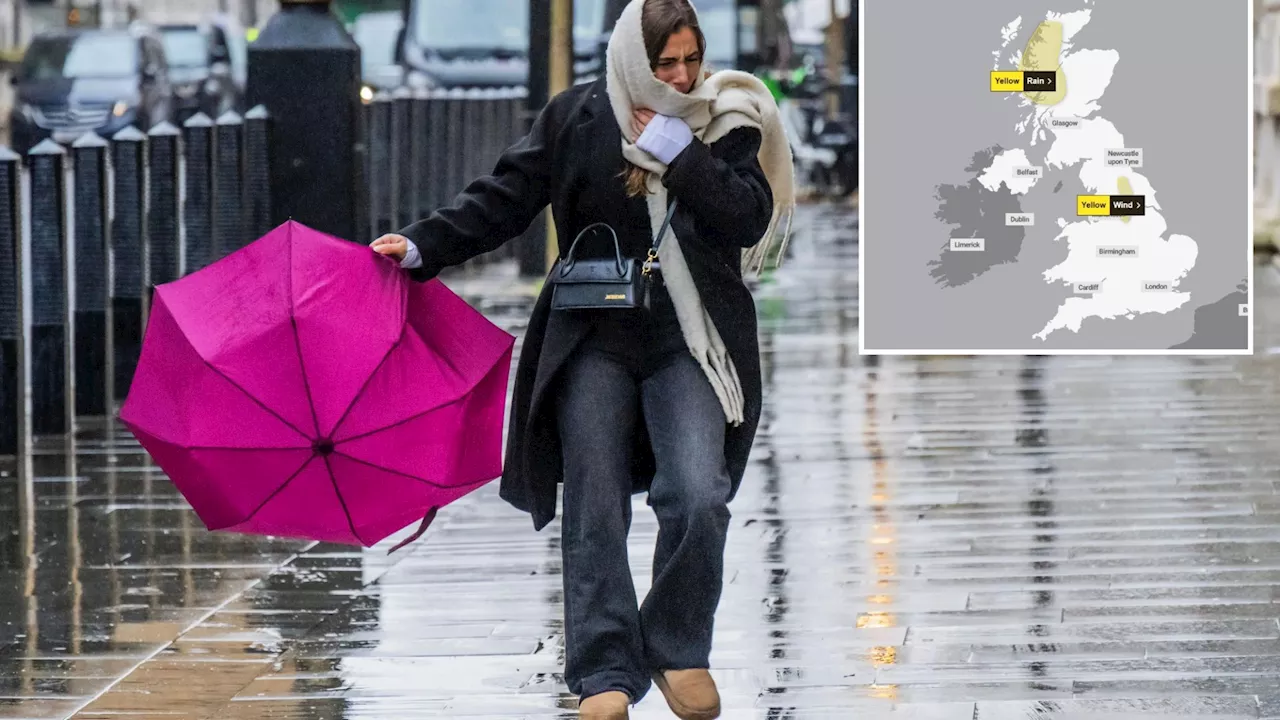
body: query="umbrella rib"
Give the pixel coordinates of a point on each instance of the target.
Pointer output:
(351, 523)
(405, 421)
(297, 342)
(278, 490)
(365, 386)
(253, 399)
(407, 476)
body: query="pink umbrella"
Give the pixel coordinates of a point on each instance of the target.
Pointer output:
(305, 387)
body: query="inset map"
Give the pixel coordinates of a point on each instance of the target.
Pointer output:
(1047, 176)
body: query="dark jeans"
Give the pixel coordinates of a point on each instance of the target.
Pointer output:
(611, 643)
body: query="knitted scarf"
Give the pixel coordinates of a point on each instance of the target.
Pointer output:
(717, 104)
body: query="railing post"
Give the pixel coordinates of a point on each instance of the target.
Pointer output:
(128, 255)
(164, 219)
(197, 206)
(257, 170)
(437, 150)
(366, 137)
(92, 238)
(472, 128)
(380, 185)
(489, 140)
(12, 374)
(228, 178)
(454, 168)
(401, 165)
(419, 205)
(52, 389)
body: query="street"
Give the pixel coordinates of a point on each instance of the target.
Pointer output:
(933, 538)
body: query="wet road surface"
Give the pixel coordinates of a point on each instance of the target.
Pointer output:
(927, 538)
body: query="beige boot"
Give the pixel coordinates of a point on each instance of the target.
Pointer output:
(612, 705)
(691, 694)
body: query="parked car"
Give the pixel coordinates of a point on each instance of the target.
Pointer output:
(485, 43)
(75, 81)
(201, 82)
(231, 45)
(377, 34)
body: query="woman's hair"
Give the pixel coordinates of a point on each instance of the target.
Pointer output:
(659, 20)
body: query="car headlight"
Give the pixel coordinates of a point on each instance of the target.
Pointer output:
(120, 108)
(366, 94)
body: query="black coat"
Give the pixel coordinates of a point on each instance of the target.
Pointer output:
(573, 153)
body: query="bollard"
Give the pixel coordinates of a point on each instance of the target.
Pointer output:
(92, 238)
(197, 207)
(437, 151)
(228, 185)
(419, 205)
(305, 69)
(164, 219)
(52, 393)
(379, 164)
(257, 171)
(401, 157)
(128, 256)
(12, 374)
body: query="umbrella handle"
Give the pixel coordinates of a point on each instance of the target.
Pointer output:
(426, 523)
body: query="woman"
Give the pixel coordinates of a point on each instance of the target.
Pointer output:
(613, 402)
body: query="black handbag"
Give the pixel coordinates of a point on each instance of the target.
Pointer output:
(608, 282)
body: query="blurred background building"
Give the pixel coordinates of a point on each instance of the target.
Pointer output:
(1266, 124)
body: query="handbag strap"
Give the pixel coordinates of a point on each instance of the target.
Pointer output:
(657, 240)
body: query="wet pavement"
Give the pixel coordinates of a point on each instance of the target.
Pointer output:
(928, 538)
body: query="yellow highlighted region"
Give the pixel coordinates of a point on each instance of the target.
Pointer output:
(1006, 81)
(1126, 188)
(1093, 205)
(1042, 53)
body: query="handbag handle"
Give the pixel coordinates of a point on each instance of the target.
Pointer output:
(617, 249)
(657, 240)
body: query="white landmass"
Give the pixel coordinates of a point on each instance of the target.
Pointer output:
(1088, 73)
(1008, 33)
(1158, 260)
(1072, 22)
(1083, 142)
(1121, 278)
(1003, 169)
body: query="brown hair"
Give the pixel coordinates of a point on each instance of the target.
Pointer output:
(659, 20)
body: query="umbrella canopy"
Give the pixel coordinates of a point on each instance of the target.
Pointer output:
(305, 387)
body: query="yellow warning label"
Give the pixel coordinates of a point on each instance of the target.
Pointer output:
(1093, 205)
(1006, 81)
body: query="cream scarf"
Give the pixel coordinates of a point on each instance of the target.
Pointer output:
(725, 101)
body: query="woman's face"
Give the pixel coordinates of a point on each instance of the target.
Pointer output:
(680, 61)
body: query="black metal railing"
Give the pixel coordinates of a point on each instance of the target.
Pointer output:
(88, 231)
(424, 146)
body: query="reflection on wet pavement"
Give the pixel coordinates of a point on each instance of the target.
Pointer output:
(926, 538)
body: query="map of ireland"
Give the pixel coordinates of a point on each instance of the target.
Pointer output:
(1048, 176)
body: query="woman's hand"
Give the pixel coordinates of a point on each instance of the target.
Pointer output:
(664, 137)
(392, 245)
(640, 119)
